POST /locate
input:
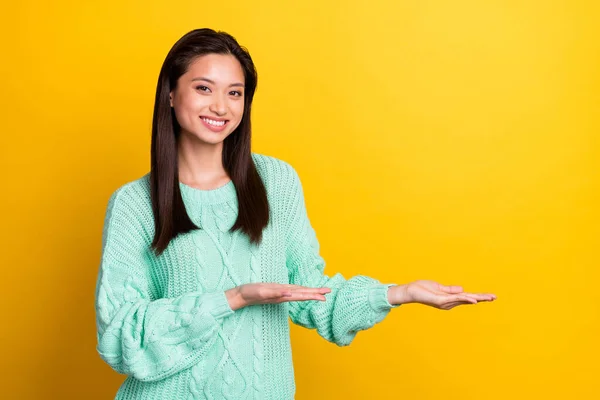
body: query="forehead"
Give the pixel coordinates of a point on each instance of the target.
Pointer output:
(220, 68)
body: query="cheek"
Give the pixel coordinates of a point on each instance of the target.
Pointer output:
(238, 109)
(191, 103)
(185, 112)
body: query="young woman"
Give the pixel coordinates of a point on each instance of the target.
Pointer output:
(205, 257)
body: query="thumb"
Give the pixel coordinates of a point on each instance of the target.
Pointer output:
(451, 289)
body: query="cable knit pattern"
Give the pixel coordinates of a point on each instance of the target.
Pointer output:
(165, 321)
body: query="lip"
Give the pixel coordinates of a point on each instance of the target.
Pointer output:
(212, 127)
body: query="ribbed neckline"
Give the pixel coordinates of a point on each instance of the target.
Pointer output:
(221, 194)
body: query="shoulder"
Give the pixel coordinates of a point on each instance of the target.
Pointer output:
(274, 170)
(284, 189)
(134, 193)
(130, 206)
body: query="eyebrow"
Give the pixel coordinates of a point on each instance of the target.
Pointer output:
(213, 82)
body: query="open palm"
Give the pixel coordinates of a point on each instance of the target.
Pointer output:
(440, 296)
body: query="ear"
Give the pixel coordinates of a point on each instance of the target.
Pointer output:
(171, 98)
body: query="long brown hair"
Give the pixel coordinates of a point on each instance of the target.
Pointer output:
(170, 215)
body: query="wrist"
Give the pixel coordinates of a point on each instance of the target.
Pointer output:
(398, 295)
(234, 298)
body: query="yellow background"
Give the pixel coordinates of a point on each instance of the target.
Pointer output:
(447, 140)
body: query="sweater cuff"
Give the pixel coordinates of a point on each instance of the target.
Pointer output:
(219, 305)
(378, 297)
(209, 305)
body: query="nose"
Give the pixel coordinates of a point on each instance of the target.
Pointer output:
(218, 105)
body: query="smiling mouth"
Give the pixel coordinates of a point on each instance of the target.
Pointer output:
(213, 122)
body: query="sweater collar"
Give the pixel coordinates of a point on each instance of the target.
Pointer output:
(219, 195)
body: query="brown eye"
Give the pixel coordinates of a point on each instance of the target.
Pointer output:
(202, 87)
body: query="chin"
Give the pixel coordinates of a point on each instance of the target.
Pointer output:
(212, 138)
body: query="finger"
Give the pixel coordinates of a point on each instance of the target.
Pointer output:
(304, 297)
(319, 289)
(486, 295)
(311, 290)
(287, 287)
(276, 292)
(451, 289)
(480, 296)
(292, 286)
(284, 286)
(453, 304)
(291, 297)
(462, 297)
(308, 295)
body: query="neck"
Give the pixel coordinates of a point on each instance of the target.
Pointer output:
(200, 163)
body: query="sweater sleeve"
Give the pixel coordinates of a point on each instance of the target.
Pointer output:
(352, 305)
(138, 334)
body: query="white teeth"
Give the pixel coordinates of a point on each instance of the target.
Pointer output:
(215, 123)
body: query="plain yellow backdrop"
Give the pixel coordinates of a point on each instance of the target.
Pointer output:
(447, 140)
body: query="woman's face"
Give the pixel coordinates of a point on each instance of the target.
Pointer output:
(209, 98)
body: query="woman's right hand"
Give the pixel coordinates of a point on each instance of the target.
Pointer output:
(264, 293)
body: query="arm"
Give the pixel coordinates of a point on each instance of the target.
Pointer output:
(353, 305)
(138, 334)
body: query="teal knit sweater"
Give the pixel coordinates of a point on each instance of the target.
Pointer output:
(165, 321)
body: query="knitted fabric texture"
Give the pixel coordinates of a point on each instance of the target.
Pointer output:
(165, 321)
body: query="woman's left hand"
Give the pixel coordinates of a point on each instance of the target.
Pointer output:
(435, 295)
